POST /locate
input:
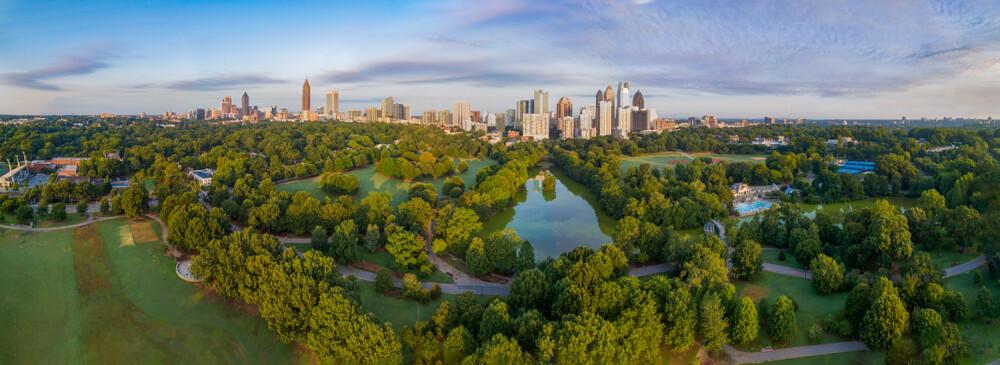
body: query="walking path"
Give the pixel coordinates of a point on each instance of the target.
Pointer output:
(742, 357)
(90, 220)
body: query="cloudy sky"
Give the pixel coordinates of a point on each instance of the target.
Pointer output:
(739, 58)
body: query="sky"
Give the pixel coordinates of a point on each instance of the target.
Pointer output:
(733, 59)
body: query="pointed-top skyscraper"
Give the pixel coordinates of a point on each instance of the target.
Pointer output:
(245, 105)
(306, 95)
(638, 101)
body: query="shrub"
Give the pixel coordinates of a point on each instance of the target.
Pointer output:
(815, 332)
(413, 289)
(435, 292)
(383, 280)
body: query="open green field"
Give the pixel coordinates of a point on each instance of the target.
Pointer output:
(661, 160)
(982, 336)
(839, 210)
(372, 181)
(813, 307)
(106, 294)
(71, 218)
(770, 255)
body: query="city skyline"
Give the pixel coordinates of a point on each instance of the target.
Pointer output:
(742, 60)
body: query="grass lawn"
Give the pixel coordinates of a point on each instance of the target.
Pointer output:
(400, 311)
(105, 294)
(372, 181)
(838, 211)
(982, 336)
(947, 258)
(661, 160)
(384, 259)
(770, 256)
(813, 307)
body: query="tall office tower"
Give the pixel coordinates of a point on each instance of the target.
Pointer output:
(623, 123)
(227, 105)
(399, 111)
(332, 103)
(462, 113)
(523, 107)
(475, 116)
(597, 102)
(564, 108)
(244, 105)
(623, 95)
(586, 120)
(609, 95)
(388, 107)
(443, 117)
(566, 127)
(640, 119)
(492, 118)
(536, 126)
(306, 97)
(605, 117)
(541, 102)
(372, 114)
(427, 117)
(406, 112)
(638, 100)
(199, 114)
(509, 118)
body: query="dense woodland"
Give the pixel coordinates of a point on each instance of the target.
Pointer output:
(580, 307)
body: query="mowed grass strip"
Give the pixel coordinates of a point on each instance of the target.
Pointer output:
(39, 312)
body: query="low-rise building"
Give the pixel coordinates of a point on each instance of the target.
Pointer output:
(203, 176)
(14, 177)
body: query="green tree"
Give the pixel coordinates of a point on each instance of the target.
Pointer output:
(338, 183)
(782, 323)
(344, 242)
(745, 322)
(984, 303)
(407, 249)
(81, 207)
(413, 289)
(415, 215)
(529, 290)
(424, 191)
(712, 324)
(827, 274)
(495, 320)
(383, 280)
(457, 345)
(476, 259)
(746, 260)
(58, 212)
(887, 319)
(365, 341)
(134, 200)
(458, 227)
(319, 240)
(549, 184)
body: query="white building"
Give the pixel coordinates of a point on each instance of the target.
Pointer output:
(536, 126)
(462, 113)
(624, 122)
(203, 176)
(606, 118)
(566, 127)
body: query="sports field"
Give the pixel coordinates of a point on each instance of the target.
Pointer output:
(661, 160)
(372, 181)
(106, 294)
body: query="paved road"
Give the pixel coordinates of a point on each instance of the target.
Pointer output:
(965, 267)
(741, 357)
(787, 270)
(648, 270)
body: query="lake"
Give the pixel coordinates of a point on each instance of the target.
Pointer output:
(555, 223)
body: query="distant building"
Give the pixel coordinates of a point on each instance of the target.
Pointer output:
(388, 107)
(536, 126)
(462, 113)
(306, 100)
(541, 102)
(564, 108)
(204, 176)
(605, 117)
(244, 105)
(566, 127)
(333, 103)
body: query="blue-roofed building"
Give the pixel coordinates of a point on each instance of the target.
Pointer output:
(855, 167)
(203, 176)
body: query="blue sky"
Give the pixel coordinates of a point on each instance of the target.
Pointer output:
(741, 58)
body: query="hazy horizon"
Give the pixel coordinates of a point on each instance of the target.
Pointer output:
(849, 60)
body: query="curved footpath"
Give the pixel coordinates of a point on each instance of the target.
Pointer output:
(742, 357)
(90, 220)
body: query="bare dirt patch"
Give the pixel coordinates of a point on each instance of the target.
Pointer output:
(366, 266)
(125, 236)
(755, 292)
(142, 232)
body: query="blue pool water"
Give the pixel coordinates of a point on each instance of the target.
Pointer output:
(752, 207)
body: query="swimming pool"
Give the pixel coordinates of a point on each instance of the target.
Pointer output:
(753, 207)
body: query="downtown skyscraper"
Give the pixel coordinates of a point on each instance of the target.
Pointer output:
(244, 105)
(332, 103)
